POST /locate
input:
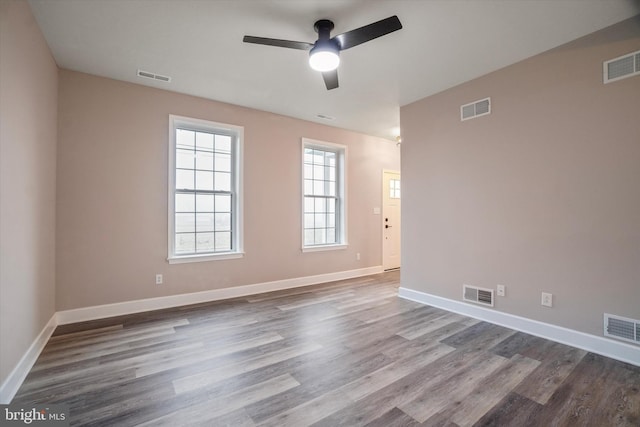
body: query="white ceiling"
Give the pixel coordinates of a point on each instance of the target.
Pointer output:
(199, 44)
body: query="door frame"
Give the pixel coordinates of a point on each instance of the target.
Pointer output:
(382, 193)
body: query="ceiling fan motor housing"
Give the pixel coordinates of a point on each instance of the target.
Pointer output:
(325, 53)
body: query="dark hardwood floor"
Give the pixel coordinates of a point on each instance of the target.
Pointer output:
(347, 353)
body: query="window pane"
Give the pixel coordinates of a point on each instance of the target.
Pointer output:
(320, 220)
(185, 243)
(308, 171)
(184, 159)
(318, 172)
(308, 220)
(308, 187)
(331, 188)
(318, 157)
(330, 158)
(204, 203)
(184, 179)
(223, 222)
(185, 222)
(331, 235)
(331, 203)
(185, 203)
(204, 222)
(320, 236)
(318, 188)
(331, 220)
(308, 155)
(308, 204)
(223, 144)
(185, 138)
(205, 242)
(204, 141)
(223, 181)
(320, 205)
(204, 180)
(223, 203)
(223, 162)
(332, 174)
(223, 241)
(309, 237)
(204, 160)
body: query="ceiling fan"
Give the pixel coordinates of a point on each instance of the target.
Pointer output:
(324, 54)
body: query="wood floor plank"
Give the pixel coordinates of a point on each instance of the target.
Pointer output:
(347, 353)
(512, 410)
(207, 354)
(328, 403)
(443, 393)
(551, 373)
(214, 408)
(394, 418)
(465, 409)
(217, 374)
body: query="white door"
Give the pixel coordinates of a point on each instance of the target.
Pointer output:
(391, 220)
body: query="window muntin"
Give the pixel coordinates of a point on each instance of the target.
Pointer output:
(323, 207)
(204, 199)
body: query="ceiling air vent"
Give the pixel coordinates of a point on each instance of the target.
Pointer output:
(475, 109)
(477, 295)
(622, 328)
(148, 75)
(621, 67)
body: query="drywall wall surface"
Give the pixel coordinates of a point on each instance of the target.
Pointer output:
(541, 195)
(28, 110)
(112, 195)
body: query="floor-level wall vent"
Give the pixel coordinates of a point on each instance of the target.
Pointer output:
(477, 295)
(621, 67)
(475, 109)
(622, 328)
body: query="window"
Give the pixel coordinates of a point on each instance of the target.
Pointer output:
(324, 225)
(394, 188)
(205, 201)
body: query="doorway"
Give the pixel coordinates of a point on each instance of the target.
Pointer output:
(390, 220)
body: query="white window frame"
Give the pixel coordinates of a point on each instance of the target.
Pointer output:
(236, 184)
(341, 178)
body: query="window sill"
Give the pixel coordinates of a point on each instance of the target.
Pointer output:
(321, 248)
(203, 258)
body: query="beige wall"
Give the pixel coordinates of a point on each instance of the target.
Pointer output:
(112, 195)
(541, 195)
(28, 98)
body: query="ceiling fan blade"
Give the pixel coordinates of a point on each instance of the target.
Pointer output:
(277, 42)
(330, 79)
(368, 32)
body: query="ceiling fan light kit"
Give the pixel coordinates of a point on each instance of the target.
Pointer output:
(324, 55)
(324, 58)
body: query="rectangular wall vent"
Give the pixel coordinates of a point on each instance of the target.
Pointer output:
(622, 328)
(475, 109)
(622, 67)
(477, 295)
(148, 75)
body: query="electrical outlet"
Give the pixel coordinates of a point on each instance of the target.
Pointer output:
(358, 256)
(547, 299)
(158, 279)
(501, 290)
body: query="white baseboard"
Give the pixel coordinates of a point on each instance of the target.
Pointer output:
(148, 304)
(616, 350)
(10, 386)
